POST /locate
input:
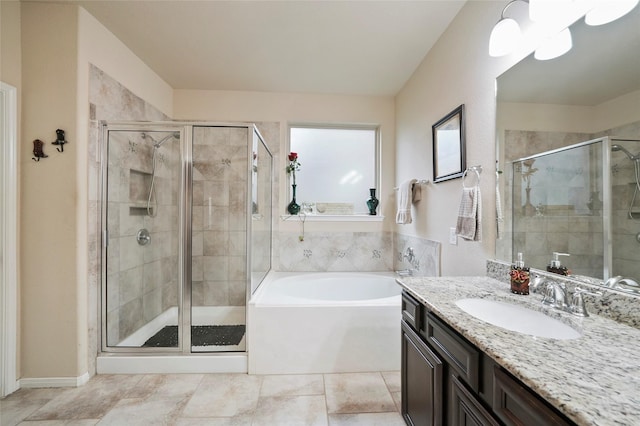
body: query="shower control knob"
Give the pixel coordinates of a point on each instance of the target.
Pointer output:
(143, 237)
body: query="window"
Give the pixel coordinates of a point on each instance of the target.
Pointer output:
(338, 167)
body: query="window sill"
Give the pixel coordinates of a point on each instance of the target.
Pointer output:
(334, 218)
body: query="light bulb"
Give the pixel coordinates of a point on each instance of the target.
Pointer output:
(608, 11)
(554, 46)
(504, 37)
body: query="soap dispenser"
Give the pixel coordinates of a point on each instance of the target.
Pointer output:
(556, 266)
(519, 276)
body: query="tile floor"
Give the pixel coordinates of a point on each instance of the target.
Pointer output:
(212, 399)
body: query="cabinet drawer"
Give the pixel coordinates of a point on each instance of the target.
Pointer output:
(515, 405)
(463, 357)
(411, 309)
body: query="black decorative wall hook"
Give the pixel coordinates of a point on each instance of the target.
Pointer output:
(60, 140)
(37, 150)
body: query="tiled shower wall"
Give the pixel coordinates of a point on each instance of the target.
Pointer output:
(519, 144)
(625, 230)
(142, 280)
(219, 225)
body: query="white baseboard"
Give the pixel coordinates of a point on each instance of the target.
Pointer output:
(54, 382)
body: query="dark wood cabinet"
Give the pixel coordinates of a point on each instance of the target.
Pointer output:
(446, 380)
(422, 381)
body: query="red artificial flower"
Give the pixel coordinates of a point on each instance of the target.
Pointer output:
(293, 156)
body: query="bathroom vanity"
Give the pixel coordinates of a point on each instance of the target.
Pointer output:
(460, 370)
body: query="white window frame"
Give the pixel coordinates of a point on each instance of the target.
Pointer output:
(377, 171)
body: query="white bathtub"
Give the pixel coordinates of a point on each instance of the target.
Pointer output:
(324, 322)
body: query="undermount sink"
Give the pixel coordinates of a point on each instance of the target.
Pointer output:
(517, 318)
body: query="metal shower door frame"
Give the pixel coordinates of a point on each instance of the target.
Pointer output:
(184, 248)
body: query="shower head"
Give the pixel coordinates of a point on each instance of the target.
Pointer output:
(632, 157)
(159, 143)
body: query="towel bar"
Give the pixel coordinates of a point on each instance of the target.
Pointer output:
(420, 182)
(476, 169)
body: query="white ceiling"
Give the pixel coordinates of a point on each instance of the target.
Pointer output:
(347, 47)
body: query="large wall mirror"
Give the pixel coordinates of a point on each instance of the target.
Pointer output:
(543, 107)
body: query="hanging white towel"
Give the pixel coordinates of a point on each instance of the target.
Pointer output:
(469, 224)
(403, 216)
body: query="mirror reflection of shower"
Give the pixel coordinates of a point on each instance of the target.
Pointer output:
(636, 165)
(152, 210)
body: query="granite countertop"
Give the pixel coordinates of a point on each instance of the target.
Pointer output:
(593, 380)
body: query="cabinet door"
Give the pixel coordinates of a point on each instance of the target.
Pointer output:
(466, 410)
(422, 381)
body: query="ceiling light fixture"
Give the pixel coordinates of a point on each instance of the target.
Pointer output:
(505, 34)
(546, 11)
(606, 11)
(554, 46)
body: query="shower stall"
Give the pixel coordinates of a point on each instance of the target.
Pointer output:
(583, 200)
(186, 235)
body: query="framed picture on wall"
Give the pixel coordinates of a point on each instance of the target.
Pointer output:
(449, 146)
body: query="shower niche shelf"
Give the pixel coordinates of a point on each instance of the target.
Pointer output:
(140, 209)
(139, 184)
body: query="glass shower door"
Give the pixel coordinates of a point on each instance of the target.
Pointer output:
(141, 238)
(220, 186)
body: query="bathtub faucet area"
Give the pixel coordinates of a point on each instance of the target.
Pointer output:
(405, 272)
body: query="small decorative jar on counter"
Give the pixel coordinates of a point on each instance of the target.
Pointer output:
(520, 277)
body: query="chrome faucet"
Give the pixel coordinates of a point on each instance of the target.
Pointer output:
(536, 283)
(577, 306)
(613, 281)
(555, 295)
(408, 255)
(621, 283)
(405, 272)
(411, 258)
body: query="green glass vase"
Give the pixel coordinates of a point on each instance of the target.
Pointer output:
(372, 202)
(293, 208)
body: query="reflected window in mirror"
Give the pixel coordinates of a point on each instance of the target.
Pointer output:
(338, 167)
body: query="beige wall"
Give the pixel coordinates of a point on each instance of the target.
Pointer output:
(458, 70)
(48, 231)
(10, 42)
(302, 108)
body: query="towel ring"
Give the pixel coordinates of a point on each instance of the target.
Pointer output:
(477, 170)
